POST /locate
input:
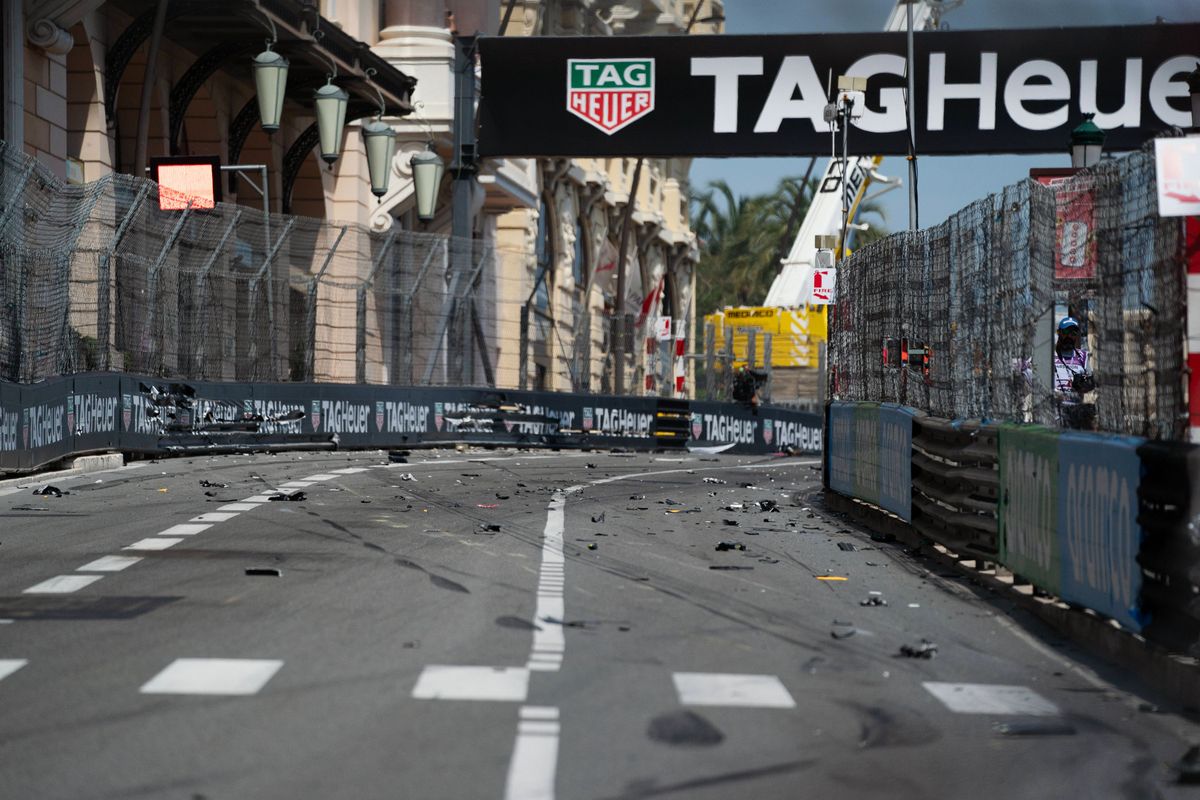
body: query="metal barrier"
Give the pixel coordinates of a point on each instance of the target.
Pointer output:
(48, 421)
(1104, 522)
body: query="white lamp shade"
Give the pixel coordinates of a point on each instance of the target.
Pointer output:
(331, 104)
(380, 141)
(270, 81)
(1085, 155)
(427, 169)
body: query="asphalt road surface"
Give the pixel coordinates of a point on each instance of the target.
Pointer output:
(593, 643)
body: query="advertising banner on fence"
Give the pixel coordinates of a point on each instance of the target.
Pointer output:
(1028, 504)
(895, 460)
(1098, 531)
(870, 454)
(977, 91)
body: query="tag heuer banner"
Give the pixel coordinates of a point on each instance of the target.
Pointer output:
(976, 91)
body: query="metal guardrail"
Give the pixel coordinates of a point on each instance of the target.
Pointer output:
(1103, 522)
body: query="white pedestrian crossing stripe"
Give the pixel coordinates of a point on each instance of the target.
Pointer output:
(213, 676)
(983, 698)
(161, 543)
(110, 564)
(185, 529)
(472, 683)
(215, 516)
(726, 689)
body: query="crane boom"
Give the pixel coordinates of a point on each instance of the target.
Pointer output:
(792, 287)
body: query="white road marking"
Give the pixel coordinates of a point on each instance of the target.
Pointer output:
(548, 636)
(63, 584)
(982, 698)
(184, 530)
(726, 689)
(534, 761)
(215, 516)
(10, 665)
(316, 478)
(349, 470)
(231, 676)
(258, 498)
(472, 683)
(110, 564)
(296, 485)
(239, 507)
(161, 543)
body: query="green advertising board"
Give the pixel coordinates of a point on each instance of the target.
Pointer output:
(1028, 507)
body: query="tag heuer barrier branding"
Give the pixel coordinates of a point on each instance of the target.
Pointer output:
(610, 93)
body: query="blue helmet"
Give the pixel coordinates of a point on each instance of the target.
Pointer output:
(1068, 322)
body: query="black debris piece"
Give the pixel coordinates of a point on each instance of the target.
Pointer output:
(873, 600)
(470, 474)
(714, 480)
(769, 560)
(882, 537)
(637, 497)
(265, 571)
(926, 650)
(592, 546)
(1188, 765)
(847, 546)
(724, 545)
(732, 522)
(294, 497)
(210, 494)
(598, 517)
(501, 496)
(589, 465)
(214, 485)
(727, 567)
(399, 456)
(49, 491)
(842, 630)
(768, 505)
(1035, 727)
(489, 527)
(407, 476)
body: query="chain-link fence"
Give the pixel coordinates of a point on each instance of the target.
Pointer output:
(959, 319)
(96, 277)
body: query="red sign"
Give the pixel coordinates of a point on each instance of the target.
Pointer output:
(1074, 223)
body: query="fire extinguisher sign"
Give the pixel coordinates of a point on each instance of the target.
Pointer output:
(824, 286)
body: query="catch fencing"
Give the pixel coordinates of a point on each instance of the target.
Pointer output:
(95, 277)
(958, 320)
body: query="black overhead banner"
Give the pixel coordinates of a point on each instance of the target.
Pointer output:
(1008, 91)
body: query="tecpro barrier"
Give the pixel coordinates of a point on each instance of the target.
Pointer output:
(1109, 523)
(44, 422)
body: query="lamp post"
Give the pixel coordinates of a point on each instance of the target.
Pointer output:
(270, 82)
(427, 169)
(1087, 142)
(1193, 83)
(330, 101)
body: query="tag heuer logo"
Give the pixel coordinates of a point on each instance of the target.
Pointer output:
(610, 93)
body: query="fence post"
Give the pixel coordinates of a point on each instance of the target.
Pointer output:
(360, 332)
(255, 285)
(201, 280)
(104, 280)
(767, 342)
(523, 355)
(710, 375)
(310, 322)
(406, 303)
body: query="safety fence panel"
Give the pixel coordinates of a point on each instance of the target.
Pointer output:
(1028, 507)
(45, 422)
(869, 454)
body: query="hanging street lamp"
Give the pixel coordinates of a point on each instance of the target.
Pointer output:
(427, 169)
(270, 81)
(331, 101)
(380, 141)
(1087, 142)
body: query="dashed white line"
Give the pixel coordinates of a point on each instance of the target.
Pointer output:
(184, 529)
(222, 676)
(531, 771)
(316, 478)
(726, 689)
(110, 564)
(215, 516)
(238, 507)
(10, 665)
(296, 485)
(982, 698)
(472, 683)
(161, 543)
(63, 584)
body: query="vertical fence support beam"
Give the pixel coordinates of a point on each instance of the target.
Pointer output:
(727, 377)
(710, 376)
(488, 375)
(104, 281)
(407, 308)
(199, 353)
(751, 347)
(360, 332)
(310, 311)
(150, 337)
(255, 287)
(767, 342)
(523, 355)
